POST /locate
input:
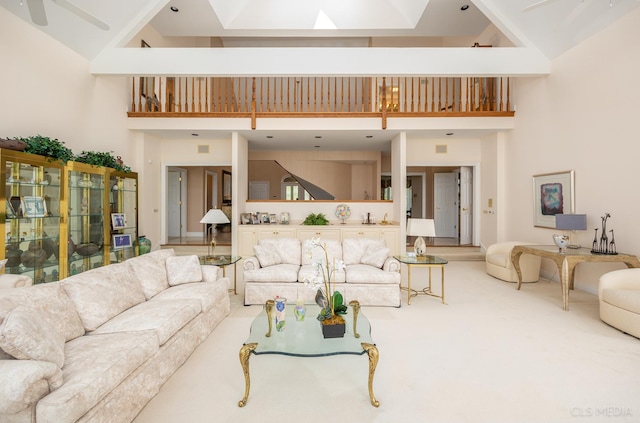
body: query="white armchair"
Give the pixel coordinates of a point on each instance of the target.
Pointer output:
(619, 295)
(498, 261)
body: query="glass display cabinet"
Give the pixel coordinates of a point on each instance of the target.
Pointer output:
(123, 206)
(87, 231)
(30, 214)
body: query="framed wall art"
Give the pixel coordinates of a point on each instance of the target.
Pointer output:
(226, 187)
(553, 193)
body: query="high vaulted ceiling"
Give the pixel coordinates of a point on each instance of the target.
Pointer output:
(551, 28)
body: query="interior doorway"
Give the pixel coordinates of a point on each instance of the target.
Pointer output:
(447, 196)
(176, 202)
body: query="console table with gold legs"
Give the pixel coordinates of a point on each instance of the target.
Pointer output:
(304, 339)
(567, 262)
(430, 262)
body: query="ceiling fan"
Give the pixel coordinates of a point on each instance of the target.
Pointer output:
(39, 15)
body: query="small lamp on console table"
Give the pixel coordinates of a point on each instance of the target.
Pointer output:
(571, 222)
(420, 228)
(213, 217)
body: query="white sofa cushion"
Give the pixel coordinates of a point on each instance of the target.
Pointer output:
(183, 269)
(313, 255)
(151, 272)
(94, 366)
(375, 256)
(103, 293)
(287, 248)
(309, 271)
(26, 336)
(363, 273)
(267, 255)
(354, 248)
(277, 273)
(207, 293)
(165, 318)
(51, 304)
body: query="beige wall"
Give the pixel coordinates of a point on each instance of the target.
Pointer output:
(584, 116)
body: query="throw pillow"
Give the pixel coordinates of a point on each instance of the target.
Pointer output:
(267, 255)
(183, 269)
(375, 256)
(26, 337)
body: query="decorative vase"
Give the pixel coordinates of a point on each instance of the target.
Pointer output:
(144, 245)
(300, 310)
(13, 255)
(561, 241)
(33, 257)
(333, 327)
(280, 305)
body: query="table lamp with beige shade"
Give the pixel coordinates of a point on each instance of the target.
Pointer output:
(213, 218)
(420, 228)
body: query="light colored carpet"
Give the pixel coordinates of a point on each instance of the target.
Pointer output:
(493, 354)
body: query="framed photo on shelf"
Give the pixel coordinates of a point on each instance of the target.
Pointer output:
(255, 219)
(553, 193)
(118, 221)
(245, 219)
(273, 218)
(33, 206)
(10, 213)
(121, 241)
(264, 217)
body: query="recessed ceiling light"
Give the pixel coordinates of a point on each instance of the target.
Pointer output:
(369, 136)
(195, 135)
(318, 136)
(464, 7)
(316, 146)
(174, 9)
(269, 136)
(449, 133)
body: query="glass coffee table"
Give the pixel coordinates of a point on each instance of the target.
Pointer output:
(304, 339)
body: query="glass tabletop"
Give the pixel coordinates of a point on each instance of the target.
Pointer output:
(304, 338)
(420, 260)
(219, 260)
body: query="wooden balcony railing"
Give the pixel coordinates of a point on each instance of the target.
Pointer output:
(255, 97)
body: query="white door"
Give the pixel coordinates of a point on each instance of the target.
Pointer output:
(174, 204)
(445, 210)
(466, 205)
(259, 190)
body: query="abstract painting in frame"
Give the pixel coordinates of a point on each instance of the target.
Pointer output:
(553, 193)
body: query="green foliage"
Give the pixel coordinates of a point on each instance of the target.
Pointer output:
(105, 159)
(338, 307)
(316, 219)
(49, 147)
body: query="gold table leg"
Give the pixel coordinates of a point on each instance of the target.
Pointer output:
(269, 308)
(356, 308)
(372, 351)
(408, 284)
(245, 353)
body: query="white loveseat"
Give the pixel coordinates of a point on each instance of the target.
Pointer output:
(371, 276)
(97, 346)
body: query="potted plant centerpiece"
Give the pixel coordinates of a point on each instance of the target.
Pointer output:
(331, 302)
(316, 219)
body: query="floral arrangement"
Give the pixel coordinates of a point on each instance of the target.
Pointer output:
(330, 301)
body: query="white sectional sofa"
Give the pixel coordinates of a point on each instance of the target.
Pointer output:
(371, 276)
(97, 346)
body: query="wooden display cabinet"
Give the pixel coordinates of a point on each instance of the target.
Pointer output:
(31, 192)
